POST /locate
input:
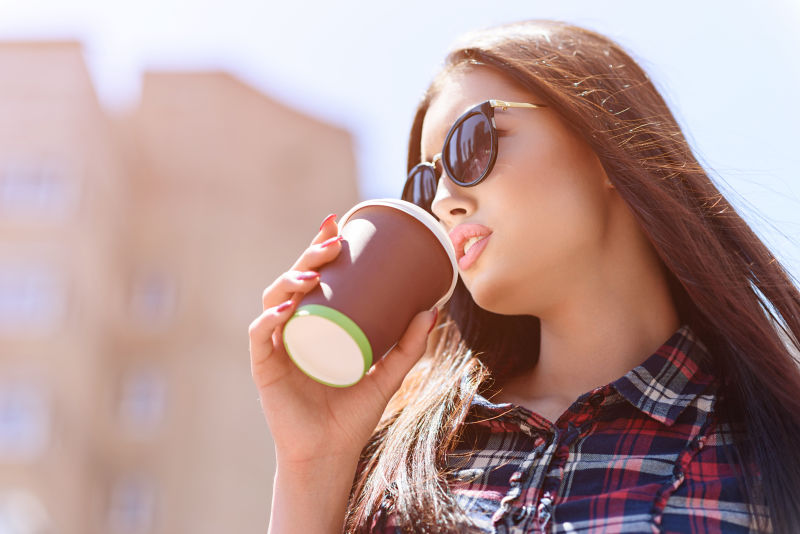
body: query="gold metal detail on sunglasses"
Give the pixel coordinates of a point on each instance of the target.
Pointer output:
(505, 105)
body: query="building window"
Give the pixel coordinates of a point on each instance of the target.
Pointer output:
(142, 401)
(132, 506)
(153, 299)
(24, 421)
(32, 297)
(36, 189)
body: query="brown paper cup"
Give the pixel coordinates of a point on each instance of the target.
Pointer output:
(396, 260)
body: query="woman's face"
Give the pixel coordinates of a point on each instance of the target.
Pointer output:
(546, 200)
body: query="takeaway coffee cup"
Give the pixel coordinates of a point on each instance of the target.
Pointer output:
(396, 261)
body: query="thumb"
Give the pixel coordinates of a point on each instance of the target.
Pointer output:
(390, 371)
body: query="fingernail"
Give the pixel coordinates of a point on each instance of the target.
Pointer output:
(435, 318)
(331, 241)
(285, 306)
(326, 219)
(309, 275)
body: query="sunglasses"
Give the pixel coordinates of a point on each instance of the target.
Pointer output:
(468, 154)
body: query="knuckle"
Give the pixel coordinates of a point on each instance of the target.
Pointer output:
(262, 326)
(253, 328)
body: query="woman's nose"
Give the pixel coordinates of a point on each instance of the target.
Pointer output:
(452, 203)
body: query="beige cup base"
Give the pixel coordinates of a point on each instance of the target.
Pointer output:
(346, 355)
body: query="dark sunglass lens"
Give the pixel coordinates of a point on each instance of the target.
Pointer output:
(421, 186)
(469, 149)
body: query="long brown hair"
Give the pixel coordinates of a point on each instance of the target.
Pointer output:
(725, 282)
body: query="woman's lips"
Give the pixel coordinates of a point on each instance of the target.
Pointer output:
(472, 254)
(463, 233)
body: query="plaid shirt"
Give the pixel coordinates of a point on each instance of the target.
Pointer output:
(641, 454)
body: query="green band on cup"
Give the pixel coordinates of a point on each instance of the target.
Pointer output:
(346, 324)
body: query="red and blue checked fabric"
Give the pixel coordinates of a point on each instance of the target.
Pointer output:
(642, 454)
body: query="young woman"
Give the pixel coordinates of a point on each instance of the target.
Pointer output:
(621, 351)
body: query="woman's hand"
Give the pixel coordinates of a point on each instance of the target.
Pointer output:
(312, 423)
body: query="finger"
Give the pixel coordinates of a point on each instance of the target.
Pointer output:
(390, 371)
(261, 342)
(287, 286)
(318, 254)
(302, 277)
(329, 228)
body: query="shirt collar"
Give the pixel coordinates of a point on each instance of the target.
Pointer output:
(670, 379)
(662, 386)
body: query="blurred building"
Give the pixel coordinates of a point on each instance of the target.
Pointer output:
(133, 253)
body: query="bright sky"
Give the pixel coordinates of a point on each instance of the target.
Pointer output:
(729, 70)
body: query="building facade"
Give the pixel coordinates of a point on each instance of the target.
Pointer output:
(134, 249)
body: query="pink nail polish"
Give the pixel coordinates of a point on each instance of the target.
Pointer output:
(310, 275)
(331, 241)
(284, 306)
(326, 219)
(435, 318)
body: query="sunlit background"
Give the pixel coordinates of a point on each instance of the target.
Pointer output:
(162, 161)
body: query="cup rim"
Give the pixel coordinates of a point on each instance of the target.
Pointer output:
(422, 216)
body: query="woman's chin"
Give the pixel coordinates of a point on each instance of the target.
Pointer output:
(488, 293)
(502, 294)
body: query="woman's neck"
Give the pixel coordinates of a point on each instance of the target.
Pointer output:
(619, 313)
